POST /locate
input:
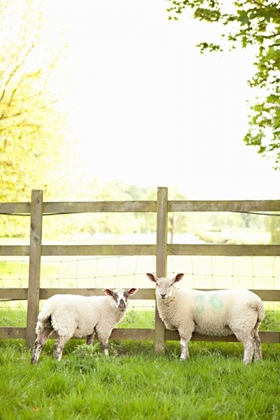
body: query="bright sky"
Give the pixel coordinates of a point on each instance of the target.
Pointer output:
(151, 110)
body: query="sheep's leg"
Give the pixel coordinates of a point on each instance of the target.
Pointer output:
(258, 345)
(248, 352)
(90, 338)
(249, 345)
(184, 342)
(105, 345)
(38, 345)
(104, 338)
(59, 346)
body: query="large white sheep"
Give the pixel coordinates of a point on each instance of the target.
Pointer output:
(214, 313)
(74, 316)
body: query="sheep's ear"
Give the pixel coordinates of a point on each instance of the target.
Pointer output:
(132, 291)
(178, 277)
(151, 277)
(108, 292)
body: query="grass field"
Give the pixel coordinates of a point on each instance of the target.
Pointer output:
(135, 384)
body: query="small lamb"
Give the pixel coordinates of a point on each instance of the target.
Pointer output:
(214, 313)
(75, 316)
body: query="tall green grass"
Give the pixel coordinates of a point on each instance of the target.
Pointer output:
(133, 383)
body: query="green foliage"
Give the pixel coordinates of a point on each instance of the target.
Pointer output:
(249, 23)
(32, 124)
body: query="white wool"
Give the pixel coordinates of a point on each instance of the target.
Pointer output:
(216, 313)
(213, 313)
(77, 316)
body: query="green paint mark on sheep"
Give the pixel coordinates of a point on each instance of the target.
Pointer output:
(200, 308)
(216, 302)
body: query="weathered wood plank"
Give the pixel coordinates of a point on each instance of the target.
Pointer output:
(132, 334)
(161, 261)
(125, 334)
(265, 336)
(9, 294)
(79, 250)
(15, 208)
(147, 334)
(12, 332)
(224, 250)
(99, 207)
(34, 265)
(14, 250)
(100, 250)
(146, 206)
(142, 294)
(172, 249)
(224, 206)
(13, 293)
(268, 295)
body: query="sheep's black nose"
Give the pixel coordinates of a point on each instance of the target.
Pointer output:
(163, 295)
(122, 304)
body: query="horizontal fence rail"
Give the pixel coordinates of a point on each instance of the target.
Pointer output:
(9, 294)
(129, 250)
(37, 209)
(52, 208)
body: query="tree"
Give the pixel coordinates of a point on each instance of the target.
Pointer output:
(249, 23)
(31, 123)
(34, 132)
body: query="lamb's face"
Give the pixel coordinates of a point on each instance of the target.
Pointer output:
(120, 297)
(164, 286)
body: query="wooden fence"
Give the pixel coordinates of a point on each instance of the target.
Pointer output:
(37, 208)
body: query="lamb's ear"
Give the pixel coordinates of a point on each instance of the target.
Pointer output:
(108, 292)
(178, 277)
(151, 277)
(132, 291)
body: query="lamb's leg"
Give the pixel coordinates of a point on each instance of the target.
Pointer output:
(39, 342)
(59, 346)
(104, 338)
(90, 339)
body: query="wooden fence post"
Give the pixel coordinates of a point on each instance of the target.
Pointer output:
(34, 265)
(161, 260)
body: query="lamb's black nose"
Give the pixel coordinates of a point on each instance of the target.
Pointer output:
(122, 304)
(163, 295)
